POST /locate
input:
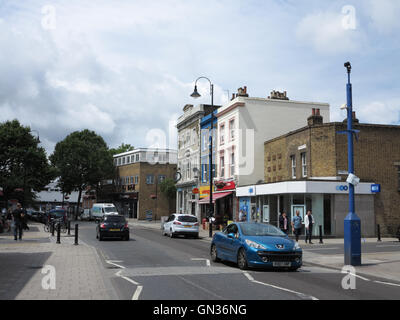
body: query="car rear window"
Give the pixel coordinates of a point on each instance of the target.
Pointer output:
(187, 219)
(114, 219)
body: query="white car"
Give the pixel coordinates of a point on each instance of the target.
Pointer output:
(181, 224)
(99, 210)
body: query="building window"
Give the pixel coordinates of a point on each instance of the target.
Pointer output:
(150, 179)
(232, 129)
(132, 180)
(304, 164)
(232, 163)
(161, 178)
(136, 179)
(222, 166)
(119, 161)
(293, 162)
(222, 134)
(115, 162)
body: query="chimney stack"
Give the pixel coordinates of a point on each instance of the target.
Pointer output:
(315, 118)
(278, 95)
(242, 92)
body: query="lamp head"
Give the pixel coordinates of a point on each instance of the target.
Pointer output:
(347, 65)
(195, 93)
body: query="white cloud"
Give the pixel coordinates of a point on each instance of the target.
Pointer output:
(327, 33)
(384, 15)
(379, 112)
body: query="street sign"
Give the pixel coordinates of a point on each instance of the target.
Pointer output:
(375, 188)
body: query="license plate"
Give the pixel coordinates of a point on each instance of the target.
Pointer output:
(282, 264)
(187, 226)
(114, 230)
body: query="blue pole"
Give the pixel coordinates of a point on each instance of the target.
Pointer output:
(352, 223)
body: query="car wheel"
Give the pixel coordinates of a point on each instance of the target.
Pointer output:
(126, 238)
(214, 255)
(242, 260)
(293, 269)
(171, 234)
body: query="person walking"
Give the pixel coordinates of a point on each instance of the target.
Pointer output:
(297, 224)
(284, 223)
(19, 216)
(309, 223)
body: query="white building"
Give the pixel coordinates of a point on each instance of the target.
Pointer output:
(244, 124)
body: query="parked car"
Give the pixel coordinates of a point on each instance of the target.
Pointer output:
(113, 226)
(251, 244)
(85, 215)
(181, 224)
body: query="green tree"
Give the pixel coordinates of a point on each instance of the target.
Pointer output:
(82, 160)
(24, 167)
(121, 149)
(168, 188)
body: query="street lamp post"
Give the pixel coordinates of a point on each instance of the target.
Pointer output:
(196, 94)
(352, 223)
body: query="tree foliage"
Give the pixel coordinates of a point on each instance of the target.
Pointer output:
(82, 160)
(24, 167)
(121, 149)
(168, 188)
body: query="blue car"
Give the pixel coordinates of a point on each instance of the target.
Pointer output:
(256, 245)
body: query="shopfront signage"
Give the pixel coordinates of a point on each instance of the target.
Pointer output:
(342, 188)
(375, 188)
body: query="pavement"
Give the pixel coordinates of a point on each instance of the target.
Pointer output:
(383, 264)
(28, 267)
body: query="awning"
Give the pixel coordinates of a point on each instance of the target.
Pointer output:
(216, 196)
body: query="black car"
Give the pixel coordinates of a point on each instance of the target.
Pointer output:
(113, 226)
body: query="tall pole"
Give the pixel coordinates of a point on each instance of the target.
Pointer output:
(352, 223)
(195, 94)
(211, 161)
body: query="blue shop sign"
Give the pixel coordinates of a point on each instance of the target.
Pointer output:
(375, 188)
(342, 188)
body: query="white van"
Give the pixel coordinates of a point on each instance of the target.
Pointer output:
(99, 210)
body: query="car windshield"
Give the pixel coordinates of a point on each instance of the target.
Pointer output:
(58, 213)
(187, 219)
(260, 229)
(114, 219)
(110, 209)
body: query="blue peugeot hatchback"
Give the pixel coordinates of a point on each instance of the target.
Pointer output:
(251, 244)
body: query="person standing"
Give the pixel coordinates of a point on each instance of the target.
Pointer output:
(19, 216)
(309, 223)
(284, 223)
(297, 224)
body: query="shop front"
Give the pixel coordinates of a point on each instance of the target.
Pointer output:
(223, 202)
(328, 201)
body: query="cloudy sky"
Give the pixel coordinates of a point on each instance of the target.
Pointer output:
(126, 68)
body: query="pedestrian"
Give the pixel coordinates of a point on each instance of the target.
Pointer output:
(284, 222)
(18, 216)
(309, 223)
(297, 224)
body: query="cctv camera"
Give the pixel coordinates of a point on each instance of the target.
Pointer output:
(343, 107)
(347, 64)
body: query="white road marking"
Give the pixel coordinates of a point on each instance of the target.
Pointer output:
(138, 289)
(388, 245)
(114, 264)
(362, 278)
(388, 283)
(201, 259)
(302, 295)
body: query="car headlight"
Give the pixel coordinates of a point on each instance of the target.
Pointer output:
(254, 245)
(296, 246)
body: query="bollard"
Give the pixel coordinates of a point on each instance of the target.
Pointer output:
(58, 232)
(379, 233)
(52, 228)
(69, 227)
(76, 235)
(320, 234)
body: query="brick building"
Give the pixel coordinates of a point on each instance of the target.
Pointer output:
(307, 169)
(137, 186)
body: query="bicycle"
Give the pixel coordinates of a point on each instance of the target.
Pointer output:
(63, 226)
